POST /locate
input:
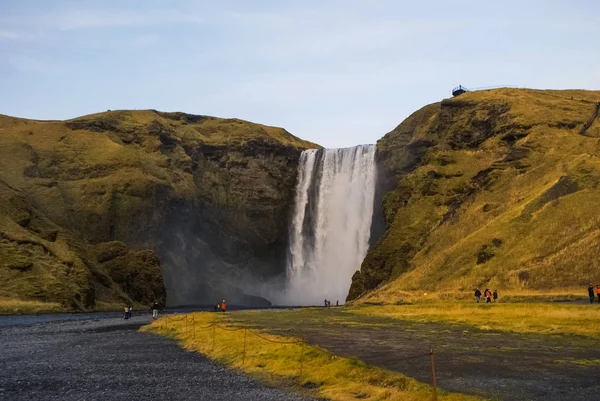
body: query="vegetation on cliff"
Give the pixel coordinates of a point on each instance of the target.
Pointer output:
(491, 189)
(89, 206)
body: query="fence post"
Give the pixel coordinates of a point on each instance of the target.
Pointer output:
(213, 344)
(302, 357)
(244, 354)
(431, 359)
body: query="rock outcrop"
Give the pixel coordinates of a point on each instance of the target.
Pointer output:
(93, 208)
(490, 189)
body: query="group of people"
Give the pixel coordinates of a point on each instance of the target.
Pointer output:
(328, 303)
(487, 294)
(129, 311)
(221, 306)
(593, 293)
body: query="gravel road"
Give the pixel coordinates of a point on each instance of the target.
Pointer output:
(103, 357)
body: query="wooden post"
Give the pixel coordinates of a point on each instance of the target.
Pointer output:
(244, 354)
(302, 356)
(213, 344)
(431, 359)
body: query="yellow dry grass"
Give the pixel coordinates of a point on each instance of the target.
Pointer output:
(582, 320)
(338, 379)
(9, 306)
(388, 295)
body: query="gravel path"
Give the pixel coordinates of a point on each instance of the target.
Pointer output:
(106, 358)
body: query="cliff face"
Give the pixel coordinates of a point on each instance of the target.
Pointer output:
(490, 189)
(106, 197)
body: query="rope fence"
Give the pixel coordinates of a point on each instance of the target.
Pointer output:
(301, 343)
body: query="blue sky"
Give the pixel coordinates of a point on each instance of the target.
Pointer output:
(338, 73)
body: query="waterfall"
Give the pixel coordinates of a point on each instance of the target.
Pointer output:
(331, 224)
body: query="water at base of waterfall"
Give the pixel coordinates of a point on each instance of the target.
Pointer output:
(331, 223)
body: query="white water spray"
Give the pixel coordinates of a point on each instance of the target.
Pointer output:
(331, 225)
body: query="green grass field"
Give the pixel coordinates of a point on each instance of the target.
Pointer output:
(19, 307)
(582, 320)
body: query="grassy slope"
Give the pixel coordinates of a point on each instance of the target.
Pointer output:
(337, 379)
(505, 195)
(196, 128)
(60, 182)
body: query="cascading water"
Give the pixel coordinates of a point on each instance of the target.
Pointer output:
(330, 228)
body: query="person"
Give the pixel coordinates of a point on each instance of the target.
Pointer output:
(218, 307)
(126, 312)
(495, 295)
(591, 293)
(337, 303)
(477, 295)
(488, 295)
(130, 311)
(155, 310)
(223, 306)
(325, 302)
(598, 292)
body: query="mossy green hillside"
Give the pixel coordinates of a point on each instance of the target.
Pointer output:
(93, 207)
(491, 189)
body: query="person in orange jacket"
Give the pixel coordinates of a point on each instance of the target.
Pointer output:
(598, 293)
(488, 295)
(223, 306)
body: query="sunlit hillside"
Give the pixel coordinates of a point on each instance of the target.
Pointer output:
(491, 189)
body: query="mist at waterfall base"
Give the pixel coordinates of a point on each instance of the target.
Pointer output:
(330, 225)
(329, 230)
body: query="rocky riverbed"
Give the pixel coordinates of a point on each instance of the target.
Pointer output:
(103, 357)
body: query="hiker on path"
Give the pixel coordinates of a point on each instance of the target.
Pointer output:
(218, 307)
(127, 312)
(223, 306)
(477, 295)
(488, 295)
(155, 310)
(598, 292)
(591, 293)
(495, 295)
(325, 302)
(130, 311)
(337, 303)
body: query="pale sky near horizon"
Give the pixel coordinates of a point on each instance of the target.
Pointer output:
(339, 73)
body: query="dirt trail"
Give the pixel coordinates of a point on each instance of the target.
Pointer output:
(505, 366)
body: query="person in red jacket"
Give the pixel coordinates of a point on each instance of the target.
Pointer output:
(598, 293)
(488, 295)
(223, 306)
